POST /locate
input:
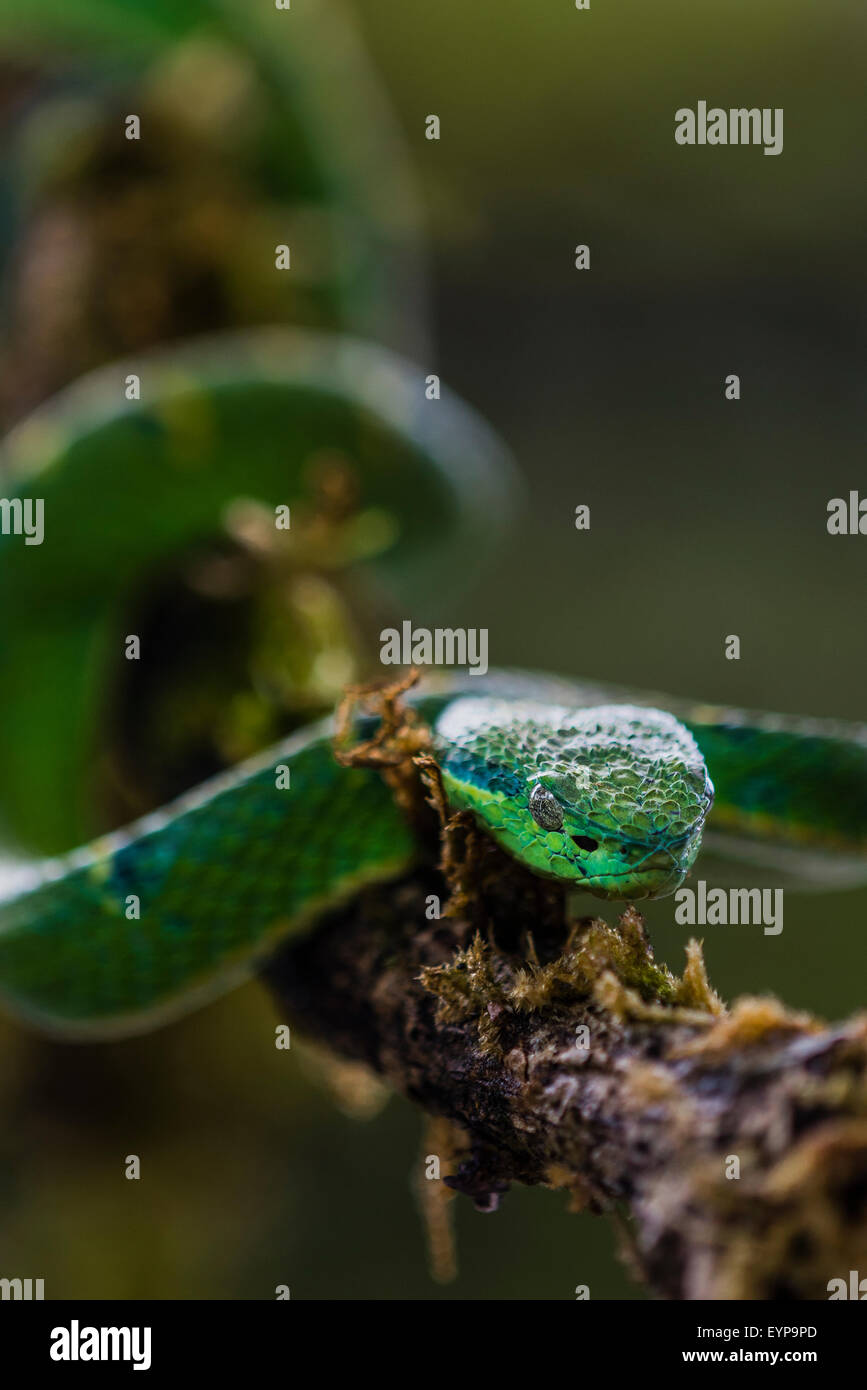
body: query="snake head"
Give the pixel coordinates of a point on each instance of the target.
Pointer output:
(611, 799)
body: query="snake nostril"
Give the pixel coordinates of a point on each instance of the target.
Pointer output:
(585, 842)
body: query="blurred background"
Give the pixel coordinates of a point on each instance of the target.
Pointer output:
(707, 516)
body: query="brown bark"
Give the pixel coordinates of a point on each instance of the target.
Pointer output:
(645, 1122)
(729, 1145)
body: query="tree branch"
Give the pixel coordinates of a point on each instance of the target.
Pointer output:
(669, 1098)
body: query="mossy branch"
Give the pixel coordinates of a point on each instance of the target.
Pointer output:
(645, 1120)
(733, 1142)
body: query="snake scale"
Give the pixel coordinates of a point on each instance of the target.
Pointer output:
(609, 791)
(606, 790)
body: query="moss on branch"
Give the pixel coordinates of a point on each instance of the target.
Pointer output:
(560, 1052)
(647, 1117)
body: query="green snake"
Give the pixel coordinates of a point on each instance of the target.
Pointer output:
(156, 527)
(604, 790)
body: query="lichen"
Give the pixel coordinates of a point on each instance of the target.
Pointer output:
(613, 966)
(801, 1222)
(483, 1024)
(750, 1021)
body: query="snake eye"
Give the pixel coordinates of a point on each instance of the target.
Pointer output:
(545, 808)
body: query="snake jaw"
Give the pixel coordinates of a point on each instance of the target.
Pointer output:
(623, 869)
(617, 870)
(657, 875)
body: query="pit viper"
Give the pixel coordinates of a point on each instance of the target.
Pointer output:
(605, 790)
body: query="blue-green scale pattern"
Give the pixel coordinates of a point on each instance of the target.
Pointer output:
(217, 884)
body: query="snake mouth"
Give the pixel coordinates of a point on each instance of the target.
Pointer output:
(631, 886)
(657, 874)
